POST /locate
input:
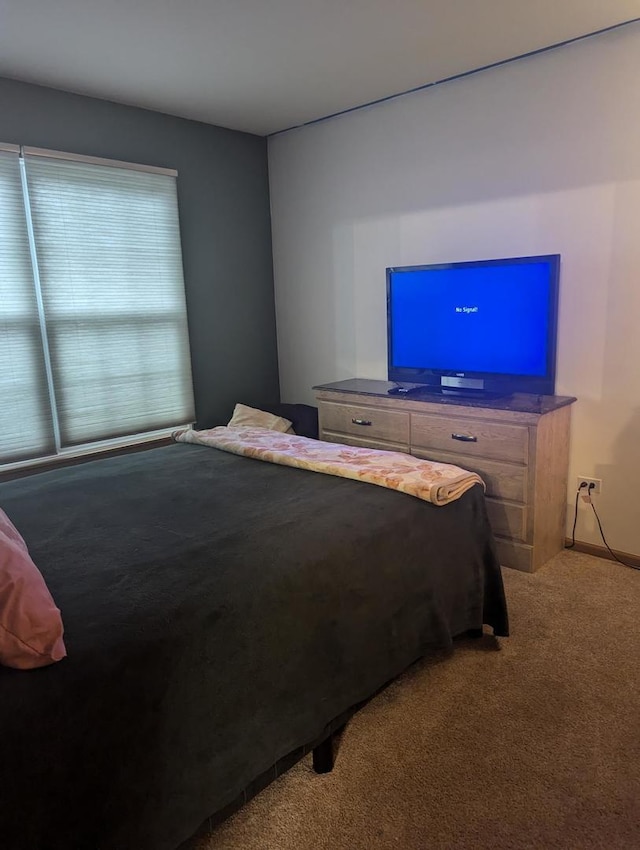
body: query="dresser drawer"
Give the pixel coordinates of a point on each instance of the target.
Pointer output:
(349, 440)
(516, 555)
(508, 520)
(502, 480)
(470, 438)
(366, 423)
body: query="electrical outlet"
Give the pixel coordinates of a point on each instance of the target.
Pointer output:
(595, 490)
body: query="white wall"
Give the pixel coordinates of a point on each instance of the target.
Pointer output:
(539, 156)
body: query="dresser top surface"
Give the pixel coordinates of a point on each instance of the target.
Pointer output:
(519, 402)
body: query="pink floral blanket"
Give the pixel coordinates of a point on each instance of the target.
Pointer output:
(438, 483)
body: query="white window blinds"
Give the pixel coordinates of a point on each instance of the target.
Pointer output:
(108, 270)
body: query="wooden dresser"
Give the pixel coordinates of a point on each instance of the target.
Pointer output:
(518, 444)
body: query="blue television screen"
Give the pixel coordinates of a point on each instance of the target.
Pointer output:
(491, 317)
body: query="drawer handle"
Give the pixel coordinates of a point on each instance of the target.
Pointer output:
(361, 421)
(464, 438)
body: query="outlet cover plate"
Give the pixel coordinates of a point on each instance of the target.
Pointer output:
(596, 490)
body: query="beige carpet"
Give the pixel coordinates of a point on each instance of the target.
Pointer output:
(529, 742)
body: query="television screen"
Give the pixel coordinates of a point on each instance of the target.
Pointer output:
(490, 324)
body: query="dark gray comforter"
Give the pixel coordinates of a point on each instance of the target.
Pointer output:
(219, 612)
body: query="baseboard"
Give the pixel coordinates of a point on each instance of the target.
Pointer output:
(603, 552)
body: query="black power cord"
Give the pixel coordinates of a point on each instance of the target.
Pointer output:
(575, 517)
(604, 540)
(611, 552)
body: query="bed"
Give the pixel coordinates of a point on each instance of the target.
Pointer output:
(220, 614)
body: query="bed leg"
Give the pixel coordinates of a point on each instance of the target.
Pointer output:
(323, 756)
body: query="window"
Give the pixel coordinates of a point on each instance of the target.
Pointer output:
(93, 331)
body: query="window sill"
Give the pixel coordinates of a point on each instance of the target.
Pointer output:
(81, 454)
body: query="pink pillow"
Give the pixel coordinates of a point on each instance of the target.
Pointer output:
(30, 624)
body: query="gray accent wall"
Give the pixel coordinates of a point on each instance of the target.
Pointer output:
(223, 196)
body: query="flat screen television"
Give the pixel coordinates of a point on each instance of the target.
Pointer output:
(473, 328)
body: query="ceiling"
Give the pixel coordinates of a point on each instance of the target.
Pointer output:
(266, 65)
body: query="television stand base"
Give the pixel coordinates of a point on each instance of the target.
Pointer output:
(468, 393)
(433, 389)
